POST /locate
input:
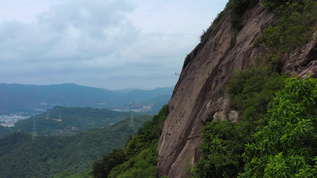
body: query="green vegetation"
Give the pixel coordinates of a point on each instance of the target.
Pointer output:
(253, 89)
(62, 156)
(293, 28)
(281, 136)
(276, 133)
(73, 120)
(287, 147)
(239, 7)
(4, 130)
(224, 141)
(140, 153)
(109, 161)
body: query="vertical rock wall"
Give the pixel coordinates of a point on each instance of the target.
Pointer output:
(201, 86)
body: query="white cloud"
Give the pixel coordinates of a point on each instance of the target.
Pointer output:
(103, 43)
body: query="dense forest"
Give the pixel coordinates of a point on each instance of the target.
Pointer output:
(61, 156)
(5, 130)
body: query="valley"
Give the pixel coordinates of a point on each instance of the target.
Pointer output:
(52, 153)
(61, 130)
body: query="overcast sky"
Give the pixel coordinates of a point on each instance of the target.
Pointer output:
(111, 44)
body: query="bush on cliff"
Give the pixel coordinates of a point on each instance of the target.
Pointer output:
(287, 147)
(224, 141)
(239, 7)
(283, 147)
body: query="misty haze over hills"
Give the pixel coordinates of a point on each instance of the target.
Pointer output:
(38, 98)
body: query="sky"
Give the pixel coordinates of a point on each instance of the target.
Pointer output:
(111, 44)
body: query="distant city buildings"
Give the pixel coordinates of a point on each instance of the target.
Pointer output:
(133, 107)
(10, 120)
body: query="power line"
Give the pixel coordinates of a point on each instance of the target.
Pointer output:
(132, 121)
(34, 135)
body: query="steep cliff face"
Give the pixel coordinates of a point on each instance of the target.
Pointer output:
(199, 91)
(199, 94)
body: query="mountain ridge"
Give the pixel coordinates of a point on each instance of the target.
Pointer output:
(25, 98)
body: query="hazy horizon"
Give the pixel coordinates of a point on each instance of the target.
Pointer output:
(112, 44)
(120, 89)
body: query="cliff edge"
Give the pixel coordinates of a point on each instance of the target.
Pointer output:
(199, 95)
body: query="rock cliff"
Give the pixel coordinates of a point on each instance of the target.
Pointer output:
(199, 95)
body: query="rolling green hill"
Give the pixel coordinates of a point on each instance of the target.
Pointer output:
(49, 156)
(66, 121)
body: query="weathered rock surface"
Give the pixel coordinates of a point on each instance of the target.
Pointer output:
(197, 95)
(303, 61)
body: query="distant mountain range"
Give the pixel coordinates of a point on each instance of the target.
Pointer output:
(38, 98)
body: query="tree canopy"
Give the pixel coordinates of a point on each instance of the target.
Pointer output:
(287, 147)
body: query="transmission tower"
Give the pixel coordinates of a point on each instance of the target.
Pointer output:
(132, 121)
(34, 130)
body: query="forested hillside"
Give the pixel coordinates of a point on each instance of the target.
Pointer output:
(139, 157)
(66, 121)
(49, 156)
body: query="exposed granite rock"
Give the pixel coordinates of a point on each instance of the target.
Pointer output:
(199, 95)
(303, 61)
(201, 84)
(224, 112)
(311, 70)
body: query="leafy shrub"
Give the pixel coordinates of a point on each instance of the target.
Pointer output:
(142, 165)
(221, 151)
(291, 30)
(292, 27)
(103, 167)
(273, 4)
(287, 146)
(134, 146)
(239, 7)
(224, 141)
(248, 87)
